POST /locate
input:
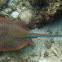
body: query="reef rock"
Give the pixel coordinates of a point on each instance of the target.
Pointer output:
(2, 3)
(45, 13)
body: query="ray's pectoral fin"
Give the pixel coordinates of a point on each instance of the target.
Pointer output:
(29, 41)
(3, 31)
(21, 24)
(15, 45)
(22, 43)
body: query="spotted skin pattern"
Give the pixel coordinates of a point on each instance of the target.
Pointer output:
(10, 36)
(14, 35)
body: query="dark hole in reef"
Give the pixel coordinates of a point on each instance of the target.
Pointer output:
(38, 4)
(57, 16)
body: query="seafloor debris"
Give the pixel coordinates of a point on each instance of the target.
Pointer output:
(48, 44)
(46, 54)
(2, 3)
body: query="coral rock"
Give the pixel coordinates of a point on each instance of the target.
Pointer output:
(2, 3)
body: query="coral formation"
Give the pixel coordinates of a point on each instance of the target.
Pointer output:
(34, 13)
(2, 3)
(26, 16)
(18, 10)
(46, 14)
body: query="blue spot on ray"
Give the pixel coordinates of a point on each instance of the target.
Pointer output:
(9, 44)
(9, 35)
(24, 41)
(14, 26)
(10, 27)
(3, 34)
(11, 41)
(20, 41)
(11, 38)
(17, 45)
(3, 43)
(5, 31)
(3, 40)
(6, 36)
(5, 28)
(4, 46)
(15, 38)
(7, 39)
(17, 42)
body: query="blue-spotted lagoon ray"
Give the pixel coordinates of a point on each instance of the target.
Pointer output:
(15, 35)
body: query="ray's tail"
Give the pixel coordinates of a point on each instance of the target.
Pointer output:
(43, 35)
